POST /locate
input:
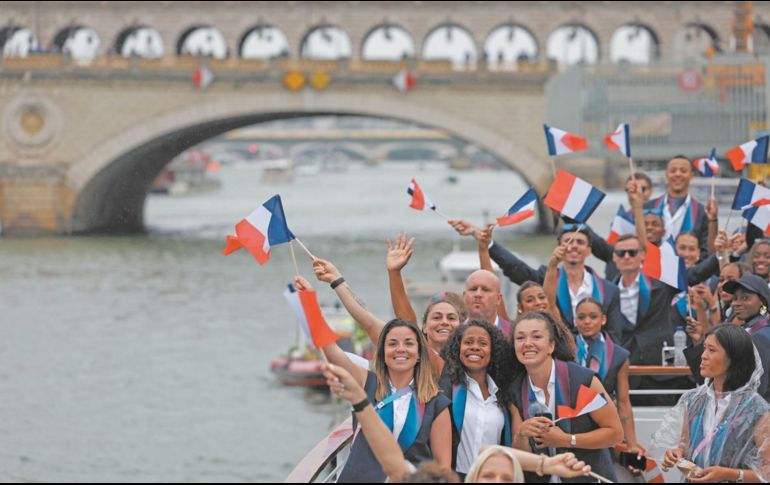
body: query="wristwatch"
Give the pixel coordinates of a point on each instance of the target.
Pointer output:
(573, 441)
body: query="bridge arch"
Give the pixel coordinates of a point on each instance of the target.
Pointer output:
(110, 184)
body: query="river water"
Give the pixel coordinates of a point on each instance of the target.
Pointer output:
(146, 358)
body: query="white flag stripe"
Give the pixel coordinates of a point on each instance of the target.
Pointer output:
(293, 298)
(761, 218)
(558, 134)
(260, 219)
(597, 402)
(669, 267)
(577, 198)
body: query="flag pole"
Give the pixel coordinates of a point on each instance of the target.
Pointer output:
(713, 187)
(729, 214)
(442, 215)
(689, 303)
(294, 257)
(553, 166)
(305, 248)
(631, 166)
(580, 228)
(600, 478)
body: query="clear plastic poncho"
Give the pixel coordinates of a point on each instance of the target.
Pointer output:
(741, 439)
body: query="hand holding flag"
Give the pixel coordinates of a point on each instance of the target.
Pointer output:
(420, 200)
(302, 298)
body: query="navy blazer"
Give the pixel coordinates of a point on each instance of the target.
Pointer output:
(519, 272)
(700, 226)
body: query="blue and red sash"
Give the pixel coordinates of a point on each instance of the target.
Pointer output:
(690, 216)
(761, 323)
(562, 394)
(413, 421)
(459, 400)
(596, 355)
(564, 299)
(645, 286)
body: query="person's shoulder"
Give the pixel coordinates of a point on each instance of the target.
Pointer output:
(580, 373)
(440, 401)
(652, 203)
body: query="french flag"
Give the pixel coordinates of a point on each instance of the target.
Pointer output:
(419, 200)
(587, 401)
(708, 166)
(750, 195)
(664, 264)
(620, 139)
(621, 225)
(260, 230)
(754, 151)
(561, 142)
(309, 317)
(573, 197)
(524, 208)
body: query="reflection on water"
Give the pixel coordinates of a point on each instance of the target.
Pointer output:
(146, 358)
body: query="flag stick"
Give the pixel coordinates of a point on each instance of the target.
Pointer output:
(713, 187)
(294, 257)
(729, 214)
(600, 478)
(553, 167)
(580, 228)
(631, 166)
(305, 248)
(442, 215)
(689, 303)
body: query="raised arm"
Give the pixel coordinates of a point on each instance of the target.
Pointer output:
(551, 281)
(398, 256)
(483, 240)
(334, 354)
(712, 213)
(381, 441)
(637, 209)
(328, 273)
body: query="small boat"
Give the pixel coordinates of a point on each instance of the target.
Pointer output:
(298, 371)
(190, 172)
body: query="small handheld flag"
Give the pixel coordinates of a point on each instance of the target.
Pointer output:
(573, 197)
(748, 194)
(621, 225)
(754, 151)
(420, 200)
(620, 140)
(708, 167)
(587, 402)
(260, 230)
(524, 208)
(664, 264)
(309, 317)
(560, 142)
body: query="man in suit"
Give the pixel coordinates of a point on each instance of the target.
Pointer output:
(482, 298)
(576, 280)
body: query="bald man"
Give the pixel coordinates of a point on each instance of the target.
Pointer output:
(482, 297)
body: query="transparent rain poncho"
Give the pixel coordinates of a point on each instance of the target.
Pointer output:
(741, 439)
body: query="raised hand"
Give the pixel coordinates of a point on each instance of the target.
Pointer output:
(301, 284)
(343, 384)
(558, 255)
(635, 197)
(565, 465)
(721, 243)
(400, 253)
(325, 271)
(484, 236)
(738, 243)
(694, 329)
(463, 227)
(712, 209)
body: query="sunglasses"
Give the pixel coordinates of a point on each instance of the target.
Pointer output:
(643, 189)
(622, 252)
(655, 212)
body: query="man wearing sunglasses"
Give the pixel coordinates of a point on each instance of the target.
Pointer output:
(646, 311)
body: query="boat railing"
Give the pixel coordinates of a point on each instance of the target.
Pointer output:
(325, 461)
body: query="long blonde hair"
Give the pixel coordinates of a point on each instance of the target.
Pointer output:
(425, 386)
(489, 452)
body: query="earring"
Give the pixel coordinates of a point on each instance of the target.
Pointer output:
(763, 310)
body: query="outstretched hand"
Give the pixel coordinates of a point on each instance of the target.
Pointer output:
(484, 236)
(463, 227)
(400, 253)
(325, 271)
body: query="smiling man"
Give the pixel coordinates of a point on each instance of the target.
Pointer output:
(482, 297)
(680, 211)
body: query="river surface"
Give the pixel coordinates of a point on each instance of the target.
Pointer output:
(146, 358)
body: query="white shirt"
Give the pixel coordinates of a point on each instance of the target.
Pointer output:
(551, 405)
(483, 423)
(400, 409)
(673, 223)
(586, 290)
(713, 414)
(629, 299)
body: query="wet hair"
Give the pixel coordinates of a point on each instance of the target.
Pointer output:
(527, 285)
(562, 349)
(502, 367)
(425, 386)
(484, 456)
(740, 352)
(432, 472)
(446, 297)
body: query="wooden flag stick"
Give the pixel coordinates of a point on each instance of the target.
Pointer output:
(294, 258)
(727, 225)
(631, 166)
(689, 302)
(579, 228)
(553, 167)
(600, 478)
(305, 248)
(442, 215)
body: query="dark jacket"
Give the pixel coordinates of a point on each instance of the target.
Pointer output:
(519, 272)
(700, 224)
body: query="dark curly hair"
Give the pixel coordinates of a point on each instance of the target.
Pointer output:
(502, 363)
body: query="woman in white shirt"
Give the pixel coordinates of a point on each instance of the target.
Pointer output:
(480, 365)
(720, 431)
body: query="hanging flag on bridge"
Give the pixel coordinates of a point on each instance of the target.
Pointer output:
(260, 230)
(203, 77)
(404, 80)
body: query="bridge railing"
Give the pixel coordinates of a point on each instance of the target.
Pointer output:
(61, 62)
